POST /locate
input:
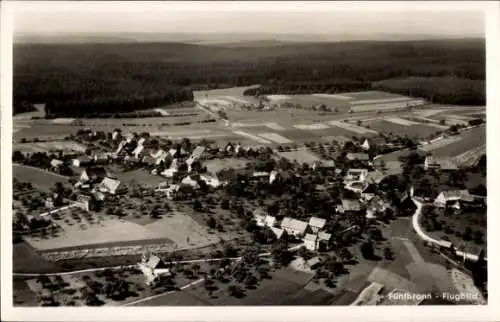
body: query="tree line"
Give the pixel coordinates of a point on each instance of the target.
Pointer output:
(80, 79)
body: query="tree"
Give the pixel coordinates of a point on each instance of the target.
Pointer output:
(478, 237)
(211, 222)
(367, 250)
(388, 253)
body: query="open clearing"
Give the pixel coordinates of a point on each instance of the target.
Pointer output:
(215, 166)
(41, 179)
(179, 229)
(301, 156)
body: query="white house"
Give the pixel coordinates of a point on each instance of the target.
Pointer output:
(358, 156)
(356, 186)
(278, 232)
(81, 161)
(149, 267)
(93, 175)
(451, 196)
(169, 173)
(210, 180)
(294, 227)
(359, 175)
(112, 186)
(350, 205)
(55, 163)
(172, 190)
(138, 150)
(273, 176)
(316, 224)
(191, 181)
(310, 241)
(366, 145)
(263, 219)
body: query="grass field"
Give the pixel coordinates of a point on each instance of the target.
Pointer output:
(301, 156)
(27, 260)
(217, 165)
(40, 179)
(178, 229)
(142, 177)
(470, 139)
(420, 130)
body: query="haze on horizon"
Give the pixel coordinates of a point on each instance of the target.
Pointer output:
(61, 18)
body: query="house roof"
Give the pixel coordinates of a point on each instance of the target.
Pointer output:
(83, 158)
(310, 237)
(56, 162)
(95, 172)
(358, 156)
(351, 205)
(324, 236)
(446, 163)
(317, 222)
(110, 184)
(294, 224)
(277, 231)
(153, 261)
(357, 171)
(457, 195)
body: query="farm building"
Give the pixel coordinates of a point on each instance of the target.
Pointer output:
(349, 205)
(211, 180)
(278, 232)
(356, 175)
(192, 181)
(93, 175)
(327, 164)
(55, 163)
(112, 186)
(377, 141)
(357, 186)
(294, 227)
(263, 219)
(82, 161)
(318, 241)
(445, 198)
(358, 156)
(442, 163)
(152, 267)
(316, 224)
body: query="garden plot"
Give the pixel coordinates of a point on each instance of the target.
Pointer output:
(470, 157)
(275, 137)
(351, 127)
(469, 140)
(427, 113)
(400, 121)
(301, 156)
(312, 127)
(50, 146)
(252, 137)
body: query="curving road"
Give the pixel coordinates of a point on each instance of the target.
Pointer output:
(420, 232)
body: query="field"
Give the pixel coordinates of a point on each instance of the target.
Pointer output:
(308, 101)
(281, 289)
(415, 130)
(178, 230)
(142, 177)
(40, 179)
(214, 166)
(47, 147)
(470, 139)
(301, 156)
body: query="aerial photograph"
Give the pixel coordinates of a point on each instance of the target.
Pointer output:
(168, 157)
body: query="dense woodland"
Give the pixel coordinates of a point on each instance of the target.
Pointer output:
(78, 79)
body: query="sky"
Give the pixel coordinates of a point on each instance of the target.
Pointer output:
(279, 18)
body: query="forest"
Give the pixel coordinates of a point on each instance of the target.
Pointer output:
(80, 79)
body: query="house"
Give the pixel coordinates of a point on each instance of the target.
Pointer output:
(294, 227)
(357, 187)
(192, 181)
(349, 205)
(263, 219)
(454, 197)
(376, 141)
(130, 137)
(260, 174)
(138, 150)
(116, 135)
(358, 156)
(169, 173)
(172, 190)
(273, 176)
(112, 186)
(93, 175)
(141, 141)
(442, 163)
(198, 151)
(100, 158)
(82, 161)
(356, 175)
(55, 163)
(211, 180)
(316, 224)
(326, 164)
(366, 145)
(85, 201)
(152, 267)
(318, 241)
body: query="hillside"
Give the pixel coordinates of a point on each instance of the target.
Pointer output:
(125, 75)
